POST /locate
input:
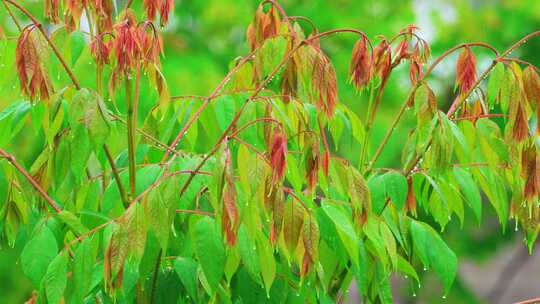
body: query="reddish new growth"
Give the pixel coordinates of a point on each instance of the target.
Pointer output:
(151, 43)
(530, 172)
(325, 82)
(127, 45)
(360, 67)
(520, 130)
(101, 49)
(229, 216)
(313, 162)
(382, 57)
(278, 154)
(466, 71)
(531, 86)
(264, 26)
(51, 10)
(32, 75)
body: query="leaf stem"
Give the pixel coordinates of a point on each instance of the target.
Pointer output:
(155, 277)
(116, 175)
(131, 125)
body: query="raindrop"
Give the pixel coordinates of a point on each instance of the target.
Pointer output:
(444, 297)
(406, 276)
(425, 268)
(414, 294)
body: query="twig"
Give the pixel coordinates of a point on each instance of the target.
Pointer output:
(116, 175)
(413, 90)
(10, 158)
(529, 301)
(199, 212)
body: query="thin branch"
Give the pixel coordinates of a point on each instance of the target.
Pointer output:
(199, 212)
(262, 119)
(234, 120)
(529, 301)
(197, 113)
(12, 16)
(413, 90)
(474, 117)
(10, 158)
(116, 174)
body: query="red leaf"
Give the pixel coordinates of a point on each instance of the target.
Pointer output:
(520, 131)
(151, 7)
(310, 237)
(360, 67)
(32, 75)
(415, 71)
(410, 205)
(324, 82)
(278, 154)
(230, 212)
(382, 55)
(165, 10)
(466, 70)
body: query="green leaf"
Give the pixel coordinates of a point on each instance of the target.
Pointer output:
(83, 266)
(77, 44)
(248, 252)
(405, 267)
(80, 151)
(293, 220)
(495, 80)
(186, 268)
(433, 251)
(470, 191)
(377, 187)
(390, 243)
(210, 251)
(55, 279)
(266, 261)
(72, 221)
(344, 228)
(396, 188)
(37, 254)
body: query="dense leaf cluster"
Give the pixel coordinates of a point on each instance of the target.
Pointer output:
(242, 195)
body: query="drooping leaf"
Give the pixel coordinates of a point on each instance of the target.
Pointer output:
(470, 191)
(55, 279)
(38, 254)
(83, 266)
(434, 252)
(396, 188)
(210, 251)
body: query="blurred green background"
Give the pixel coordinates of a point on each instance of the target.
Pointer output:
(205, 35)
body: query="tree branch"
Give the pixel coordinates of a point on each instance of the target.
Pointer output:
(10, 158)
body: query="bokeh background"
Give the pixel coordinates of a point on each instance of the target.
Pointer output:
(206, 35)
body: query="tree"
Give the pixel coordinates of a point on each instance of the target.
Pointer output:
(241, 195)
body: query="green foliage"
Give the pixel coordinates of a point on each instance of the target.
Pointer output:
(244, 195)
